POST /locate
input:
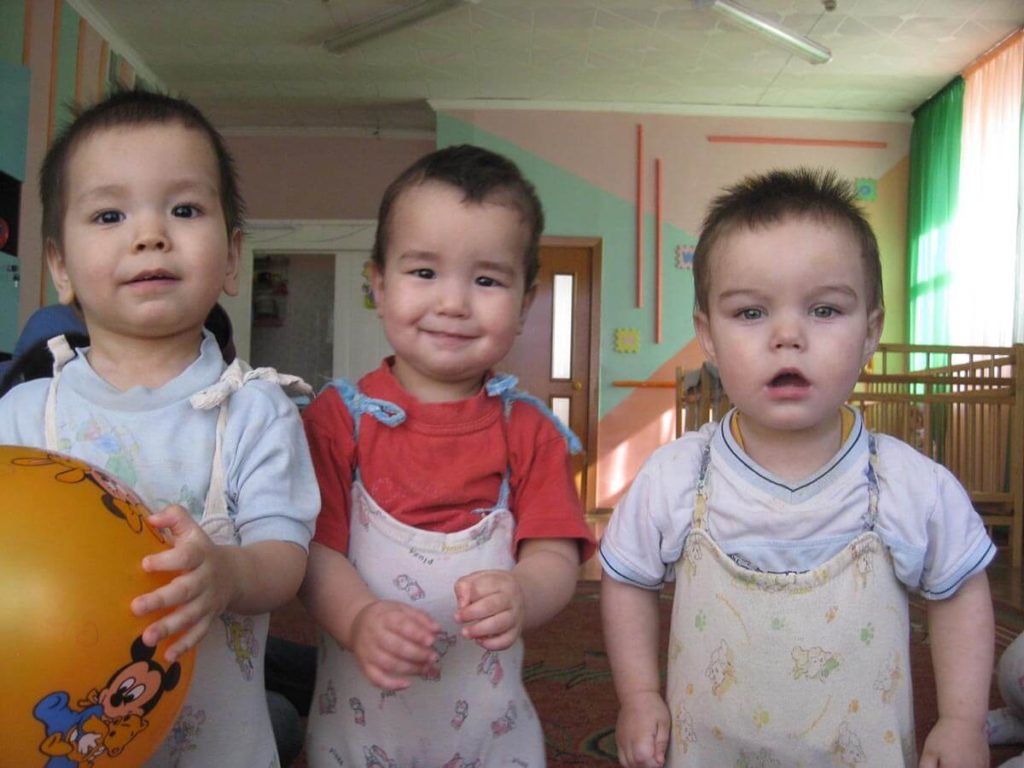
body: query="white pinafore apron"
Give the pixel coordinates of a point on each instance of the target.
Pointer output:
(475, 713)
(224, 721)
(773, 670)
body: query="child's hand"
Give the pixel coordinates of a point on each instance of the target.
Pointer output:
(491, 608)
(955, 743)
(392, 641)
(201, 592)
(642, 731)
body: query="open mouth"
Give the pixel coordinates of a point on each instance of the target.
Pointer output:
(789, 379)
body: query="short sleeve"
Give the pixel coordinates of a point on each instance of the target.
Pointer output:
(329, 430)
(544, 500)
(936, 537)
(271, 485)
(646, 532)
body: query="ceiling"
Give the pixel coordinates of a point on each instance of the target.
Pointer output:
(262, 63)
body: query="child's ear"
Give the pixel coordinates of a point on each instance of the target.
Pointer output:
(528, 298)
(876, 318)
(59, 272)
(702, 326)
(376, 276)
(234, 265)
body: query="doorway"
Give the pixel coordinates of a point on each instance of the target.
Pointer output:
(556, 356)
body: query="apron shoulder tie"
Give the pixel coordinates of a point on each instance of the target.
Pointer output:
(503, 385)
(237, 375)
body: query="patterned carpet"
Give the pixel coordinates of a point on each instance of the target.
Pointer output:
(569, 681)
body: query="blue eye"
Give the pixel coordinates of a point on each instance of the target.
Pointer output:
(750, 314)
(824, 312)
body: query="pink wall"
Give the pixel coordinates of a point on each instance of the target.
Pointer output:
(320, 177)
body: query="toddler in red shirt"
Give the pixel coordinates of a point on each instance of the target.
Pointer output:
(450, 521)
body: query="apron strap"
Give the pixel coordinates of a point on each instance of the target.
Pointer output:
(62, 355)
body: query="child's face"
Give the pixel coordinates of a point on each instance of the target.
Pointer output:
(145, 248)
(452, 295)
(787, 323)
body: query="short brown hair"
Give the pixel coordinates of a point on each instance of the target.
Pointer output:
(131, 108)
(482, 176)
(758, 201)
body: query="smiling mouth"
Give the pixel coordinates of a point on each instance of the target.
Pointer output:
(150, 277)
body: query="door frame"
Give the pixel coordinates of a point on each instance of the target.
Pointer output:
(329, 236)
(594, 245)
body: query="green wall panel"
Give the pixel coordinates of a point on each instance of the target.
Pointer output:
(12, 30)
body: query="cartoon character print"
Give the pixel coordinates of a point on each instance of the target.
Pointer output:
(506, 722)
(384, 696)
(377, 758)
(890, 676)
(186, 730)
(363, 513)
(441, 645)
(359, 714)
(115, 496)
(327, 701)
(484, 533)
(461, 713)
(115, 443)
(846, 747)
(760, 759)
(692, 552)
(490, 665)
(410, 586)
(814, 663)
(720, 670)
(863, 560)
(95, 738)
(107, 719)
(242, 641)
(683, 730)
(458, 762)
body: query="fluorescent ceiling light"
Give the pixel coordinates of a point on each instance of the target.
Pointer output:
(388, 22)
(738, 15)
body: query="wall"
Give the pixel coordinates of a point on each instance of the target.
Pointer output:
(63, 60)
(585, 167)
(296, 176)
(59, 60)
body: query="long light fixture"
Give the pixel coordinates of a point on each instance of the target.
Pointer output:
(743, 17)
(388, 22)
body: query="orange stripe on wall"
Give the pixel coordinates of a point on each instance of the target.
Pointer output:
(101, 76)
(54, 61)
(657, 250)
(26, 43)
(796, 142)
(80, 60)
(639, 216)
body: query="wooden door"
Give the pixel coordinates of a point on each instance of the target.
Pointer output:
(555, 357)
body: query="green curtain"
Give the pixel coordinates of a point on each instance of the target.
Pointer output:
(932, 206)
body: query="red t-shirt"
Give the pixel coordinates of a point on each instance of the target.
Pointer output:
(442, 463)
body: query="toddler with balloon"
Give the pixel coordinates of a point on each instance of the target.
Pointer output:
(142, 233)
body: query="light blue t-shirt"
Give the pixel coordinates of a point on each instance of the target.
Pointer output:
(157, 443)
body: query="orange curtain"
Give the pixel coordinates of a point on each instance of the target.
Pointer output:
(984, 250)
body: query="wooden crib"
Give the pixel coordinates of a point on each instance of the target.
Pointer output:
(961, 406)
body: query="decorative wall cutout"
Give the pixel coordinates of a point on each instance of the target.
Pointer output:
(867, 189)
(627, 340)
(684, 256)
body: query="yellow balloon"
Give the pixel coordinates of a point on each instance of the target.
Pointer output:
(78, 685)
